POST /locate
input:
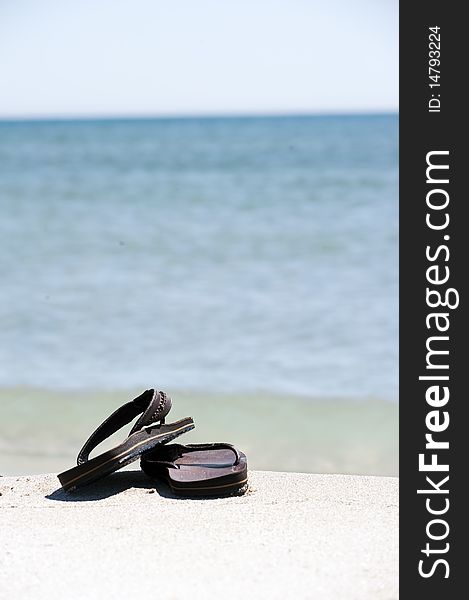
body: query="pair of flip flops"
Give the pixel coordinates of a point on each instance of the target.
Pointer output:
(191, 470)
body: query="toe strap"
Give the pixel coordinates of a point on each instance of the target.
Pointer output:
(153, 405)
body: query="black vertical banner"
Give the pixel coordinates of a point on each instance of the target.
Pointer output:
(434, 240)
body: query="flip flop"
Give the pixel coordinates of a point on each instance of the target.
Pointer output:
(147, 433)
(198, 469)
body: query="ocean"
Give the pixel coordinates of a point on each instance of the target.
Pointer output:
(248, 266)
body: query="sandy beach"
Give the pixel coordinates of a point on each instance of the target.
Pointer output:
(290, 536)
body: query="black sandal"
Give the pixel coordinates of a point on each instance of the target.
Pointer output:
(148, 432)
(198, 469)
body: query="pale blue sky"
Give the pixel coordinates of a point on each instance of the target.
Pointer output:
(149, 57)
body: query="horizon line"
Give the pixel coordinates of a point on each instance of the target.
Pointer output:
(188, 116)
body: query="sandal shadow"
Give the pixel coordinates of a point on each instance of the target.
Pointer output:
(111, 485)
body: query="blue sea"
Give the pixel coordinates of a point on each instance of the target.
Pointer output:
(250, 264)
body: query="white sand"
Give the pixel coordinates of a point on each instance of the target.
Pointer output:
(291, 536)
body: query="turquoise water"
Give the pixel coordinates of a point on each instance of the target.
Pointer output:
(242, 256)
